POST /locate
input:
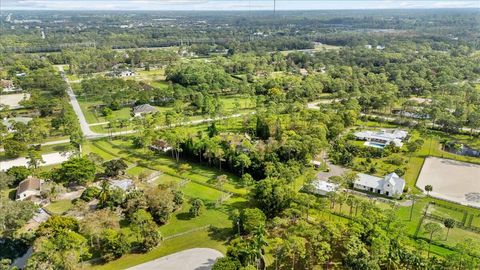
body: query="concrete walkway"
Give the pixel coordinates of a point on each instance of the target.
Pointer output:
(191, 259)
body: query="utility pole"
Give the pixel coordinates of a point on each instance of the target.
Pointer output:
(274, 7)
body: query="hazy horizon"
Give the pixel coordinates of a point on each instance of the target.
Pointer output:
(230, 5)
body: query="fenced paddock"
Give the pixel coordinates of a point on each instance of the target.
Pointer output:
(451, 180)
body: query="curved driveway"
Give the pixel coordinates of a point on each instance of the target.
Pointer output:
(190, 259)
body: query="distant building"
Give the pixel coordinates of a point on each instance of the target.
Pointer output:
(368, 46)
(323, 187)
(160, 145)
(7, 86)
(380, 47)
(29, 189)
(121, 73)
(382, 138)
(9, 122)
(143, 109)
(391, 185)
(303, 72)
(123, 184)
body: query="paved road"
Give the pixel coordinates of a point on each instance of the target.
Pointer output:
(87, 132)
(190, 259)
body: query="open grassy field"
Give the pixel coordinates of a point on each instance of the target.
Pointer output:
(59, 207)
(199, 173)
(182, 231)
(455, 235)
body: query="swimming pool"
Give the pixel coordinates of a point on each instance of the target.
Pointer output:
(374, 144)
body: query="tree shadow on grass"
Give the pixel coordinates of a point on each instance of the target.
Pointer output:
(183, 216)
(219, 234)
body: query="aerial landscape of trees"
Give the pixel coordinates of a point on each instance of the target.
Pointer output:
(247, 112)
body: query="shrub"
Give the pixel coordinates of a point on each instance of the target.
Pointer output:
(90, 193)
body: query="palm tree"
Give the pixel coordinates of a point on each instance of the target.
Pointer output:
(259, 241)
(219, 155)
(104, 193)
(413, 198)
(449, 224)
(428, 189)
(351, 201)
(198, 147)
(341, 200)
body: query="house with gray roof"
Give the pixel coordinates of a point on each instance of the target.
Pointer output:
(143, 109)
(390, 185)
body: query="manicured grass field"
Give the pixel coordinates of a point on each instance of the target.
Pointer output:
(182, 221)
(59, 207)
(455, 236)
(215, 215)
(199, 173)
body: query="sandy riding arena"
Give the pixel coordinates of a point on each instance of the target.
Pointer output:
(13, 100)
(451, 180)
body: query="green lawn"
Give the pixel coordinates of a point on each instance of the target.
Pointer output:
(196, 239)
(455, 236)
(180, 222)
(138, 170)
(59, 207)
(46, 149)
(199, 173)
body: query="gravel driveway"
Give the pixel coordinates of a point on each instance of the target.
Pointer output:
(191, 259)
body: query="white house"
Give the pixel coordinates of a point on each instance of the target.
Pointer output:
(323, 187)
(390, 185)
(382, 138)
(9, 123)
(29, 189)
(122, 73)
(126, 73)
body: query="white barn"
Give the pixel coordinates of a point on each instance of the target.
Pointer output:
(323, 187)
(391, 185)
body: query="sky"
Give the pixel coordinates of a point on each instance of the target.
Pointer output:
(231, 4)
